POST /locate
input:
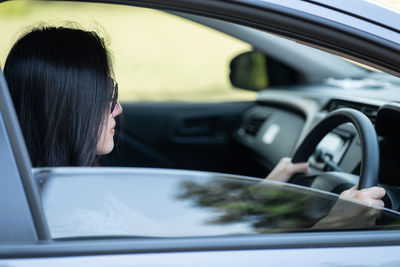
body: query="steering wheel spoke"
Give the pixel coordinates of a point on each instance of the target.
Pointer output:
(334, 181)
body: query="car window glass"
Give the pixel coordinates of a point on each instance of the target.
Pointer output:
(162, 203)
(157, 56)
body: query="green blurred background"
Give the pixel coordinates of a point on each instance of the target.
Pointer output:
(157, 56)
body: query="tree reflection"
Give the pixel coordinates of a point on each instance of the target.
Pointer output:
(266, 208)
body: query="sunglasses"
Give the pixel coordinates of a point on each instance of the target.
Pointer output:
(114, 96)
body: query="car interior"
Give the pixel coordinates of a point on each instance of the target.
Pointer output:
(296, 89)
(290, 88)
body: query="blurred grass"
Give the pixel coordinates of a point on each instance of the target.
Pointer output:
(157, 56)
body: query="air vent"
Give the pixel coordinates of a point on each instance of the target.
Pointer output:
(369, 110)
(253, 124)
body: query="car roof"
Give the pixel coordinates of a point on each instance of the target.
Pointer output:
(365, 10)
(357, 14)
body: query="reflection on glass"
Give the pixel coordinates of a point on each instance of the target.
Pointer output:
(175, 204)
(266, 208)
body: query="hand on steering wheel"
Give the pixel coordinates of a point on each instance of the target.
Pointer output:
(286, 169)
(369, 147)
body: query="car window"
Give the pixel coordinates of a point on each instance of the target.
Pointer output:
(160, 203)
(157, 56)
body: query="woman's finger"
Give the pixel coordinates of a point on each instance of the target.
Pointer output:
(299, 168)
(373, 192)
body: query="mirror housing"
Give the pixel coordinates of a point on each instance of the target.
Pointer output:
(249, 71)
(256, 71)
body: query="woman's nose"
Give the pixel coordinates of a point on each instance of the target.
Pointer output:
(117, 110)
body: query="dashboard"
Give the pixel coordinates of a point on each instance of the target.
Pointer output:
(280, 120)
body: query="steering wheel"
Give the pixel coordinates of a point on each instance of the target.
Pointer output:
(330, 181)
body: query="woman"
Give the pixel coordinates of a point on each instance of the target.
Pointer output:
(66, 101)
(64, 96)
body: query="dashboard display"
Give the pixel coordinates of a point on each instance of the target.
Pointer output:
(270, 134)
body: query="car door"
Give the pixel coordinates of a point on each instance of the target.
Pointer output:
(137, 217)
(179, 135)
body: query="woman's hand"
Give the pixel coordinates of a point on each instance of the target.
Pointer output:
(370, 196)
(285, 169)
(344, 214)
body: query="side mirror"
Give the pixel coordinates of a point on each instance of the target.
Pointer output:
(249, 71)
(255, 71)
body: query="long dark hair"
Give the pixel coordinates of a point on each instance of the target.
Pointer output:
(59, 79)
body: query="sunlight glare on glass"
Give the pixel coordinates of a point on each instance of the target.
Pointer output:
(393, 5)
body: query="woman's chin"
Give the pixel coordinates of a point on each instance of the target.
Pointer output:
(105, 149)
